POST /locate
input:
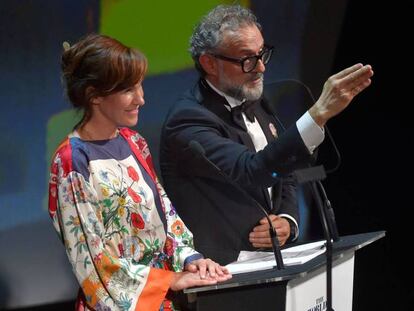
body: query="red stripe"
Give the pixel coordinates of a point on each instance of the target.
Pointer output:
(126, 133)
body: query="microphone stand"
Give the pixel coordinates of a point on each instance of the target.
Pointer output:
(329, 213)
(198, 150)
(313, 176)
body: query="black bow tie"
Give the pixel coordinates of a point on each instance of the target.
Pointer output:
(247, 108)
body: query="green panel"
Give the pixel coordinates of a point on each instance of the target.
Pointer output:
(58, 127)
(160, 29)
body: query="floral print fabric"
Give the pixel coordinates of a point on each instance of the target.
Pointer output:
(121, 233)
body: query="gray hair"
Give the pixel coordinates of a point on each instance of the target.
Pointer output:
(209, 33)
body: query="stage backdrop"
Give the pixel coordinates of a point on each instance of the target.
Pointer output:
(35, 115)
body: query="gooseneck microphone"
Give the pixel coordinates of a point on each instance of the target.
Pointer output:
(199, 151)
(328, 210)
(328, 132)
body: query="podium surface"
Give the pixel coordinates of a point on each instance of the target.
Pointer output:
(281, 289)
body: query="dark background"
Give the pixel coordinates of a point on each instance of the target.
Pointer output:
(370, 191)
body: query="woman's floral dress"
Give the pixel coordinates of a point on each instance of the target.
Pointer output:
(121, 233)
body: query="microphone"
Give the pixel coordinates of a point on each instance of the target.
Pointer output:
(328, 132)
(199, 151)
(313, 176)
(286, 90)
(312, 173)
(330, 215)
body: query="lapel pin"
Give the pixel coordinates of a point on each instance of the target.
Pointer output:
(273, 130)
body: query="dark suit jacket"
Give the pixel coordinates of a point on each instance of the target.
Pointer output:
(219, 215)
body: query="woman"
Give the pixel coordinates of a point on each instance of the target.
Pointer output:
(127, 245)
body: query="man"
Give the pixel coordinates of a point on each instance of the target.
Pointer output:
(253, 150)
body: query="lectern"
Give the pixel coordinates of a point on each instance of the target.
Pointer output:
(296, 288)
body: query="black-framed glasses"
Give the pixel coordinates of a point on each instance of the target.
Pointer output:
(248, 63)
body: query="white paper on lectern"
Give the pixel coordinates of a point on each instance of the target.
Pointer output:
(296, 255)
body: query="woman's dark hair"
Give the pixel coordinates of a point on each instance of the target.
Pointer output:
(99, 65)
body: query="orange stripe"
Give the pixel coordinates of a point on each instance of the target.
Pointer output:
(89, 289)
(155, 289)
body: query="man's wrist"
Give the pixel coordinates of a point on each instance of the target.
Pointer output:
(293, 230)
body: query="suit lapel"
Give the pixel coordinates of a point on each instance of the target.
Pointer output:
(266, 123)
(271, 127)
(217, 104)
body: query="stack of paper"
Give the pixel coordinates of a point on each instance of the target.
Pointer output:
(253, 261)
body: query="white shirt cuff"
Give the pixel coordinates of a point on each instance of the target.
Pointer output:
(312, 134)
(294, 221)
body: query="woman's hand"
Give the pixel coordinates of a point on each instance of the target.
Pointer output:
(182, 280)
(207, 268)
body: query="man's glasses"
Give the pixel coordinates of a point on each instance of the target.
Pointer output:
(250, 62)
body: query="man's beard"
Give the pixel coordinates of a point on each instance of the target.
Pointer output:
(242, 91)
